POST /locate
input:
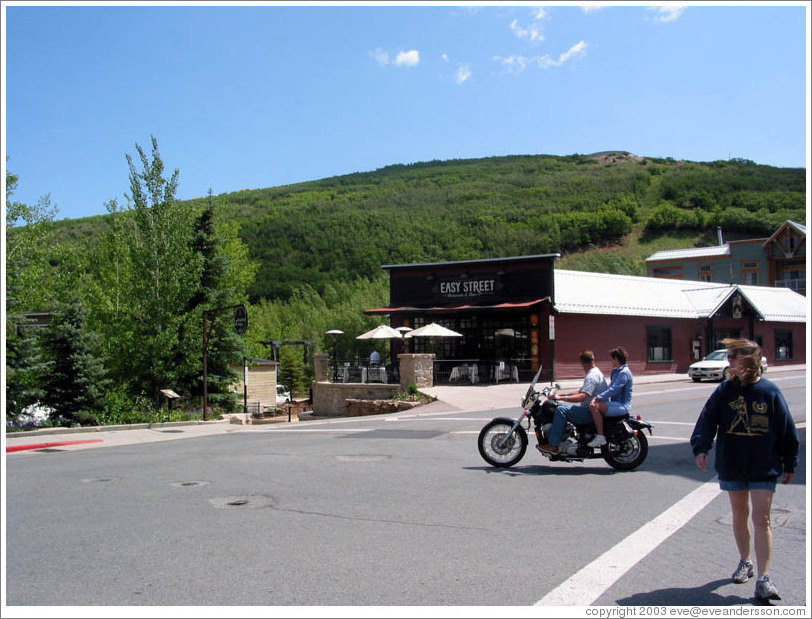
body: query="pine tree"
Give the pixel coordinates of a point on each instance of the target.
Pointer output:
(75, 384)
(220, 286)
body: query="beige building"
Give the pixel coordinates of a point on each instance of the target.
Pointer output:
(262, 380)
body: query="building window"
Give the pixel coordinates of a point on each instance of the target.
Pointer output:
(750, 273)
(783, 345)
(674, 272)
(705, 273)
(659, 344)
(792, 274)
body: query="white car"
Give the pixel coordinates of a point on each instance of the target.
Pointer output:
(715, 366)
(282, 394)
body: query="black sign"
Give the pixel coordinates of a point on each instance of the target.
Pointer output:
(468, 288)
(240, 319)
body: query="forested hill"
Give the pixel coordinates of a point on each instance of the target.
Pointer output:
(346, 227)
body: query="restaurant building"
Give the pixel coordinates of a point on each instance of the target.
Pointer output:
(517, 313)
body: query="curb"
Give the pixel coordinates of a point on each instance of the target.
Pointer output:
(47, 445)
(134, 426)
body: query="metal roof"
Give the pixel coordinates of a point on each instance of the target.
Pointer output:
(582, 292)
(777, 304)
(714, 251)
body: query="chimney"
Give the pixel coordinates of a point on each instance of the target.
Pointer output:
(719, 234)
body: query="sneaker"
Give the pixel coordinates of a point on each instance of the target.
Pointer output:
(766, 590)
(599, 440)
(744, 572)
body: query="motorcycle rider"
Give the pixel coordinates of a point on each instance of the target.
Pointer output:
(616, 400)
(575, 407)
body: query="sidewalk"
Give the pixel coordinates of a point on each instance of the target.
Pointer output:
(489, 397)
(506, 395)
(449, 398)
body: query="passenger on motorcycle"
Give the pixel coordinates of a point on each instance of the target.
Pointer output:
(575, 407)
(616, 400)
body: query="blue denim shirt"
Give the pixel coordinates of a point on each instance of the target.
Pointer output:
(620, 388)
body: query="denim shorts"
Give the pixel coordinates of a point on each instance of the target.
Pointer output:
(734, 486)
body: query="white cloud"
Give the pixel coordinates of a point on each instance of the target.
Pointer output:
(381, 57)
(444, 57)
(407, 59)
(667, 13)
(579, 49)
(517, 64)
(514, 64)
(532, 32)
(402, 59)
(463, 73)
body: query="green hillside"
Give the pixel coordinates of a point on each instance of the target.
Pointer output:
(129, 293)
(602, 212)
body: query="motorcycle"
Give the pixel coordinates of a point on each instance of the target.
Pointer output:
(503, 441)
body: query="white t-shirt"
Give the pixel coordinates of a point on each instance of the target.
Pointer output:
(594, 383)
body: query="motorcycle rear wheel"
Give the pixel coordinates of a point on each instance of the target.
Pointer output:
(499, 449)
(627, 455)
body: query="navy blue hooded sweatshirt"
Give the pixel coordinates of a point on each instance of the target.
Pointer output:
(756, 438)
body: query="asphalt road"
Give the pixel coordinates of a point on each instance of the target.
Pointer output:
(385, 512)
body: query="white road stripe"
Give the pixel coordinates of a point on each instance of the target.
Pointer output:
(587, 585)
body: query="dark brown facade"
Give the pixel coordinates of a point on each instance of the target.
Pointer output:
(500, 306)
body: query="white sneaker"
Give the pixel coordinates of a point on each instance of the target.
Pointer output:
(599, 440)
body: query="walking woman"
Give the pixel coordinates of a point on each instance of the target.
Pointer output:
(756, 446)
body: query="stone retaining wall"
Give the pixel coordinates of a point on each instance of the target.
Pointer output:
(330, 399)
(356, 408)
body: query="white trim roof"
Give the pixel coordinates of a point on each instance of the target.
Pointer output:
(582, 292)
(800, 228)
(714, 251)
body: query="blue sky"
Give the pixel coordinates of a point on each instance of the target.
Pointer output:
(245, 97)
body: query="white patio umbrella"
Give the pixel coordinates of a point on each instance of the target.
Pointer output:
(381, 332)
(433, 330)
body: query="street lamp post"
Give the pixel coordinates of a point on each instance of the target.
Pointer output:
(335, 333)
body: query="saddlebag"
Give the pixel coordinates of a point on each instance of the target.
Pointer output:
(617, 431)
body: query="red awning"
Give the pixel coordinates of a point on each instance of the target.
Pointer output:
(452, 308)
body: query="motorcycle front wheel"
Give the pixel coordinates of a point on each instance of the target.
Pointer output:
(500, 448)
(627, 455)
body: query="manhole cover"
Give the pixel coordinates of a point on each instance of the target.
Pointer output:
(50, 449)
(189, 484)
(253, 501)
(171, 431)
(96, 480)
(361, 458)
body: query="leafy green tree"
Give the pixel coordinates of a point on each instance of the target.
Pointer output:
(107, 291)
(162, 279)
(28, 235)
(29, 241)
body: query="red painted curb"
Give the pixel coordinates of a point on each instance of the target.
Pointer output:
(45, 445)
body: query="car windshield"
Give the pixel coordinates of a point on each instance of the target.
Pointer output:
(717, 355)
(281, 389)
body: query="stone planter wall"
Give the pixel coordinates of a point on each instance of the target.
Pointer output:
(356, 408)
(330, 399)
